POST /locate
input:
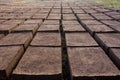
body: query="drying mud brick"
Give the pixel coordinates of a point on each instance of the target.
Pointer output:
(51, 22)
(6, 28)
(26, 28)
(80, 39)
(15, 22)
(9, 57)
(91, 22)
(33, 22)
(73, 28)
(54, 16)
(90, 62)
(85, 17)
(40, 16)
(46, 39)
(99, 28)
(16, 39)
(70, 22)
(69, 17)
(101, 16)
(114, 53)
(108, 39)
(48, 28)
(45, 63)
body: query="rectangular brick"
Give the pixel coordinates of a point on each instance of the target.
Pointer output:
(70, 22)
(46, 39)
(67, 10)
(69, 17)
(56, 10)
(73, 28)
(54, 16)
(40, 16)
(85, 16)
(48, 28)
(6, 28)
(91, 22)
(101, 16)
(9, 57)
(45, 63)
(80, 39)
(26, 28)
(111, 22)
(89, 63)
(15, 22)
(51, 22)
(33, 22)
(99, 28)
(108, 39)
(114, 53)
(16, 39)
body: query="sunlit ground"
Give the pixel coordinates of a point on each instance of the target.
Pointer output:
(109, 3)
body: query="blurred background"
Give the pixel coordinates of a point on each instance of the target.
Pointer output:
(108, 3)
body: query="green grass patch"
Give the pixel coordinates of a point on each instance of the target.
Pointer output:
(109, 3)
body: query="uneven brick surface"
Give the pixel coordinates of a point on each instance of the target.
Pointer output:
(80, 39)
(9, 57)
(109, 39)
(59, 40)
(41, 39)
(44, 63)
(48, 28)
(73, 28)
(90, 62)
(26, 28)
(16, 39)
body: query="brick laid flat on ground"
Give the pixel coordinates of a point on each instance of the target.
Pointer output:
(54, 16)
(1, 36)
(45, 63)
(70, 22)
(9, 56)
(46, 39)
(99, 28)
(108, 39)
(115, 55)
(26, 28)
(74, 28)
(80, 39)
(5, 28)
(33, 22)
(40, 16)
(51, 22)
(91, 22)
(49, 28)
(90, 62)
(16, 39)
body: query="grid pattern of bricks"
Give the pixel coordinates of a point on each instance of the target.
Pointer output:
(59, 41)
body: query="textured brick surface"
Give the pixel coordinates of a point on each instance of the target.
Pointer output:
(16, 39)
(73, 28)
(26, 28)
(9, 56)
(109, 39)
(49, 28)
(41, 39)
(44, 63)
(90, 62)
(80, 39)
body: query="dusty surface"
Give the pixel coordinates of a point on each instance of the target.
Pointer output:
(44, 61)
(51, 33)
(90, 62)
